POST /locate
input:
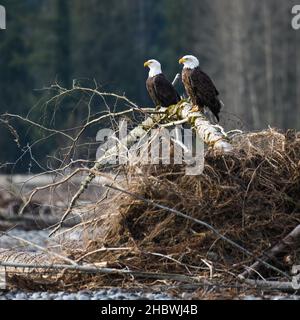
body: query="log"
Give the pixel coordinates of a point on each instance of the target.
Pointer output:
(212, 135)
(291, 241)
(271, 285)
(39, 264)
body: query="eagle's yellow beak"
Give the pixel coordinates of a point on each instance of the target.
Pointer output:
(146, 64)
(182, 61)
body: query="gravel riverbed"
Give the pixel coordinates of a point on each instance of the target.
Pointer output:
(109, 294)
(40, 237)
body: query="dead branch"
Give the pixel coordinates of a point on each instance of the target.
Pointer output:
(176, 79)
(9, 115)
(180, 113)
(102, 250)
(270, 285)
(19, 268)
(290, 242)
(95, 270)
(49, 186)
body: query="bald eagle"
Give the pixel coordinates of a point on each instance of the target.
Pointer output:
(159, 87)
(199, 86)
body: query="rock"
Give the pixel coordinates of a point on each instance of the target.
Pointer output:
(21, 296)
(36, 296)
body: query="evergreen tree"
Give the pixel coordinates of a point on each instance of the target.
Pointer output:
(16, 82)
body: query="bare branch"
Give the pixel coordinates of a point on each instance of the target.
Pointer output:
(289, 242)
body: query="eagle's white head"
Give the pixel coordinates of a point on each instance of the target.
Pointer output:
(189, 62)
(154, 66)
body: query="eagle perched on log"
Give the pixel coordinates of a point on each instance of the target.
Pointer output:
(159, 87)
(199, 86)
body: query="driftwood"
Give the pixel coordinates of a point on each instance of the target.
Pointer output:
(271, 285)
(290, 242)
(37, 265)
(26, 263)
(212, 135)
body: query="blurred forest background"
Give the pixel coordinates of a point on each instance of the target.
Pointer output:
(248, 47)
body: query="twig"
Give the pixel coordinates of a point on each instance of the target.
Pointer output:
(97, 120)
(174, 123)
(38, 125)
(102, 250)
(172, 259)
(176, 79)
(50, 185)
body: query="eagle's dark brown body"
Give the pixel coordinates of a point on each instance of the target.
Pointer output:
(162, 91)
(201, 90)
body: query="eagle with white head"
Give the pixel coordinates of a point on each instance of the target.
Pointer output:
(159, 87)
(199, 86)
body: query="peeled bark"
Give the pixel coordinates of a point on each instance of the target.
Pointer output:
(210, 134)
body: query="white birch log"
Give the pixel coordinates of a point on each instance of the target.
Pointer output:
(212, 135)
